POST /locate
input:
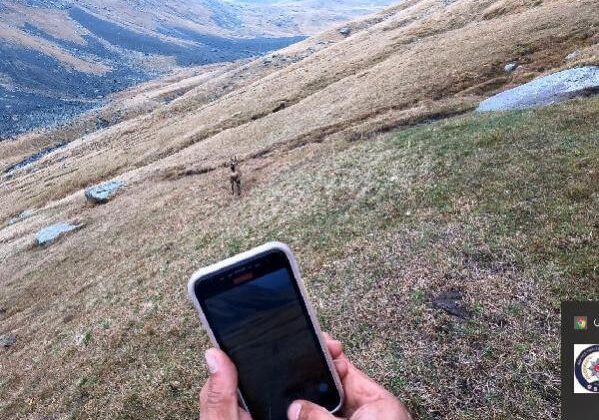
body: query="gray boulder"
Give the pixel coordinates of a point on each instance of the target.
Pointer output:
(49, 234)
(100, 194)
(25, 214)
(547, 90)
(345, 31)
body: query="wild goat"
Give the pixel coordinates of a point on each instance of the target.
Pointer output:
(235, 176)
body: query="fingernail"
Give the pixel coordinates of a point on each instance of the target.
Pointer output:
(211, 360)
(294, 411)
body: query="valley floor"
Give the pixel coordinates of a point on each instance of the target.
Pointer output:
(501, 208)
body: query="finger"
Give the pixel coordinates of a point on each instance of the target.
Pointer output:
(218, 398)
(341, 367)
(334, 346)
(244, 415)
(359, 389)
(304, 410)
(383, 409)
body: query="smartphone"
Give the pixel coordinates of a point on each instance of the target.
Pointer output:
(255, 308)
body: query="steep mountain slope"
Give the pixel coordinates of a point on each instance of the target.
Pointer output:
(60, 58)
(312, 16)
(418, 61)
(384, 217)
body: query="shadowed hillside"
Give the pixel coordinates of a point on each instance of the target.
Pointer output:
(61, 58)
(345, 157)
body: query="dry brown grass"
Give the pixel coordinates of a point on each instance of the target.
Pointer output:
(53, 21)
(138, 101)
(502, 207)
(104, 327)
(385, 69)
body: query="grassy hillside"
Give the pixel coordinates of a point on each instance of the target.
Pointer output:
(500, 207)
(420, 61)
(385, 208)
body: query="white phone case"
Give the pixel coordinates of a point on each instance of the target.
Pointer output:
(201, 273)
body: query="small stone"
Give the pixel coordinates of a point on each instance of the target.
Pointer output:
(345, 31)
(51, 233)
(101, 194)
(8, 340)
(573, 56)
(25, 214)
(509, 68)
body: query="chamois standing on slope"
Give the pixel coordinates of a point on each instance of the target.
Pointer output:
(235, 176)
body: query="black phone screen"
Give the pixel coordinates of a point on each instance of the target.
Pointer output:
(257, 314)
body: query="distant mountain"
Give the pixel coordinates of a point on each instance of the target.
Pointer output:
(61, 57)
(312, 16)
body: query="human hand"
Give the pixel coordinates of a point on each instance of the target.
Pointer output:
(218, 397)
(364, 398)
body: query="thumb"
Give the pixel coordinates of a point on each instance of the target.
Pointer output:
(218, 398)
(305, 410)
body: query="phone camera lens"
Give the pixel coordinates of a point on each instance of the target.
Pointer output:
(323, 387)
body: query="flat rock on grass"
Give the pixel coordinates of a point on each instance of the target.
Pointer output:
(51, 233)
(8, 340)
(450, 302)
(25, 214)
(345, 31)
(547, 90)
(100, 194)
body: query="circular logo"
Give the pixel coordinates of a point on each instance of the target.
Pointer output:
(586, 368)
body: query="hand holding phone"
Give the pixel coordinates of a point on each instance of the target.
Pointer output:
(364, 398)
(255, 309)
